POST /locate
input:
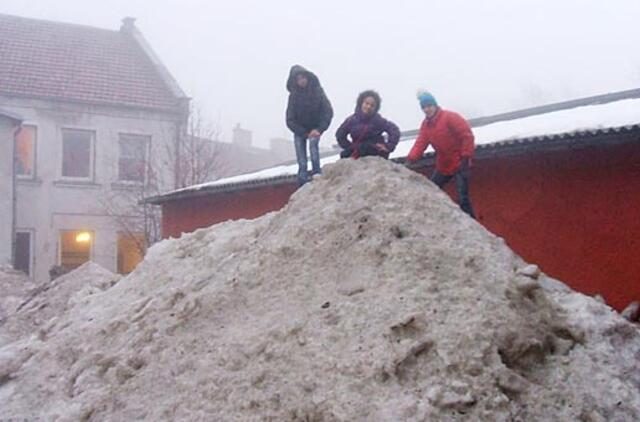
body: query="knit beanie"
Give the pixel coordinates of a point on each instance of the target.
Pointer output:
(425, 98)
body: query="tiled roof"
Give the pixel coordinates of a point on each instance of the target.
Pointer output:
(50, 60)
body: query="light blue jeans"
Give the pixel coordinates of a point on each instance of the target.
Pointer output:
(301, 155)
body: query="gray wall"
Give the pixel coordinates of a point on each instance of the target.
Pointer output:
(48, 204)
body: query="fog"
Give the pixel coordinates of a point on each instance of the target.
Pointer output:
(478, 58)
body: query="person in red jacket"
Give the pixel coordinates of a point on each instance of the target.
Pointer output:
(452, 139)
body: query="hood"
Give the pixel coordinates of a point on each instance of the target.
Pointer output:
(365, 94)
(296, 70)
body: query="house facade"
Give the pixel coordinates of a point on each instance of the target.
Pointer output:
(101, 120)
(559, 183)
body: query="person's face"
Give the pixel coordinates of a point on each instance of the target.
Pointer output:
(368, 106)
(302, 81)
(430, 110)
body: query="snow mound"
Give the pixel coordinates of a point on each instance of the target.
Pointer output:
(34, 308)
(369, 297)
(14, 287)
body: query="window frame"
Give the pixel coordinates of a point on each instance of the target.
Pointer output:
(91, 247)
(146, 139)
(32, 237)
(34, 155)
(92, 154)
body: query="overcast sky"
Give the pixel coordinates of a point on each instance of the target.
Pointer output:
(477, 57)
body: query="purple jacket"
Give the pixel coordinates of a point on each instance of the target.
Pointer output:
(367, 129)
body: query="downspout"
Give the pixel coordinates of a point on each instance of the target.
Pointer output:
(181, 133)
(14, 195)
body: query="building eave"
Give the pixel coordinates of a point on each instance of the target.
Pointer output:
(16, 118)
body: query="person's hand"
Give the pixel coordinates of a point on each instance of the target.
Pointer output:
(382, 148)
(315, 133)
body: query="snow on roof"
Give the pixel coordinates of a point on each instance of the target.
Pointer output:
(588, 118)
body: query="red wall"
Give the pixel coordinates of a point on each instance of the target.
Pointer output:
(574, 213)
(187, 215)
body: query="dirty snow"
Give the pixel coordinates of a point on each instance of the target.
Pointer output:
(14, 287)
(32, 307)
(369, 297)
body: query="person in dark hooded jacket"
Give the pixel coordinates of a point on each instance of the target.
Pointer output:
(309, 114)
(366, 128)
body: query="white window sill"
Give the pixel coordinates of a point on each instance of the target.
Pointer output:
(33, 181)
(79, 184)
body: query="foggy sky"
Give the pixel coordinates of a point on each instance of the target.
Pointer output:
(477, 57)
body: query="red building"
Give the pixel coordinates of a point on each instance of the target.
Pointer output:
(565, 195)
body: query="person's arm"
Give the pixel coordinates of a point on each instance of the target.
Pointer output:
(462, 131)
(292, 124)
(393, 133)
(419, 146)
(342, 132)
(326, 113)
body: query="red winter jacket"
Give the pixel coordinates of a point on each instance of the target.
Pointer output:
(451, 137)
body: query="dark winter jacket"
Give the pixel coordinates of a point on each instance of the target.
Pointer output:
(367, 129)
(308, 108)
(451, 138)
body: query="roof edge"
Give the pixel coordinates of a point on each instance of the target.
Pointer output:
(12, 116)
(506, 147)
(546, 108)
(77, 101)
(131, 30)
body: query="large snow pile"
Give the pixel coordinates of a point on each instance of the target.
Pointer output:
(369, 297)
(40, 304)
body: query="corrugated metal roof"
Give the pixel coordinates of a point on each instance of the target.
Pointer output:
(582, 138)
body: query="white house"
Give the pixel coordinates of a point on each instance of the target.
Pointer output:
(97, 107)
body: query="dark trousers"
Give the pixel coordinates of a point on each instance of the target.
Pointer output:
(364, 150)
(462, 186)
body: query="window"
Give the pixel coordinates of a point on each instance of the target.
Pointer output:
(133, 158)
(131, 249)
(77, 153)
(23, 252)
(26, 151)
(75, 248)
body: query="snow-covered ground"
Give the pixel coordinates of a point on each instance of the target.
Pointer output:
(369, 297)
(33, 307)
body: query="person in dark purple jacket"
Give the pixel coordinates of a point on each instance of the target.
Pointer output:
(365, 128)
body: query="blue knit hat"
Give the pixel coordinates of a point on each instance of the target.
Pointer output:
(426, 99)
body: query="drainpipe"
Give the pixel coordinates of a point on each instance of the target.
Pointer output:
(14, 195)
(181, 133)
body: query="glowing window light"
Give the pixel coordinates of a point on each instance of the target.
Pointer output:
(83, 237)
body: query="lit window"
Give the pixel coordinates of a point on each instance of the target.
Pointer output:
(26, 151)
(75, 248)
(131, 248)
(133, 158)
(77, 153)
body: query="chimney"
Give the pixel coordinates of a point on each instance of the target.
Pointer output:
(128, 25)
(242, 137)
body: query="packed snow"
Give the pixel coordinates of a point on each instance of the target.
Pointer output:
(369, 297)
(35, 306)
(586, 118)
